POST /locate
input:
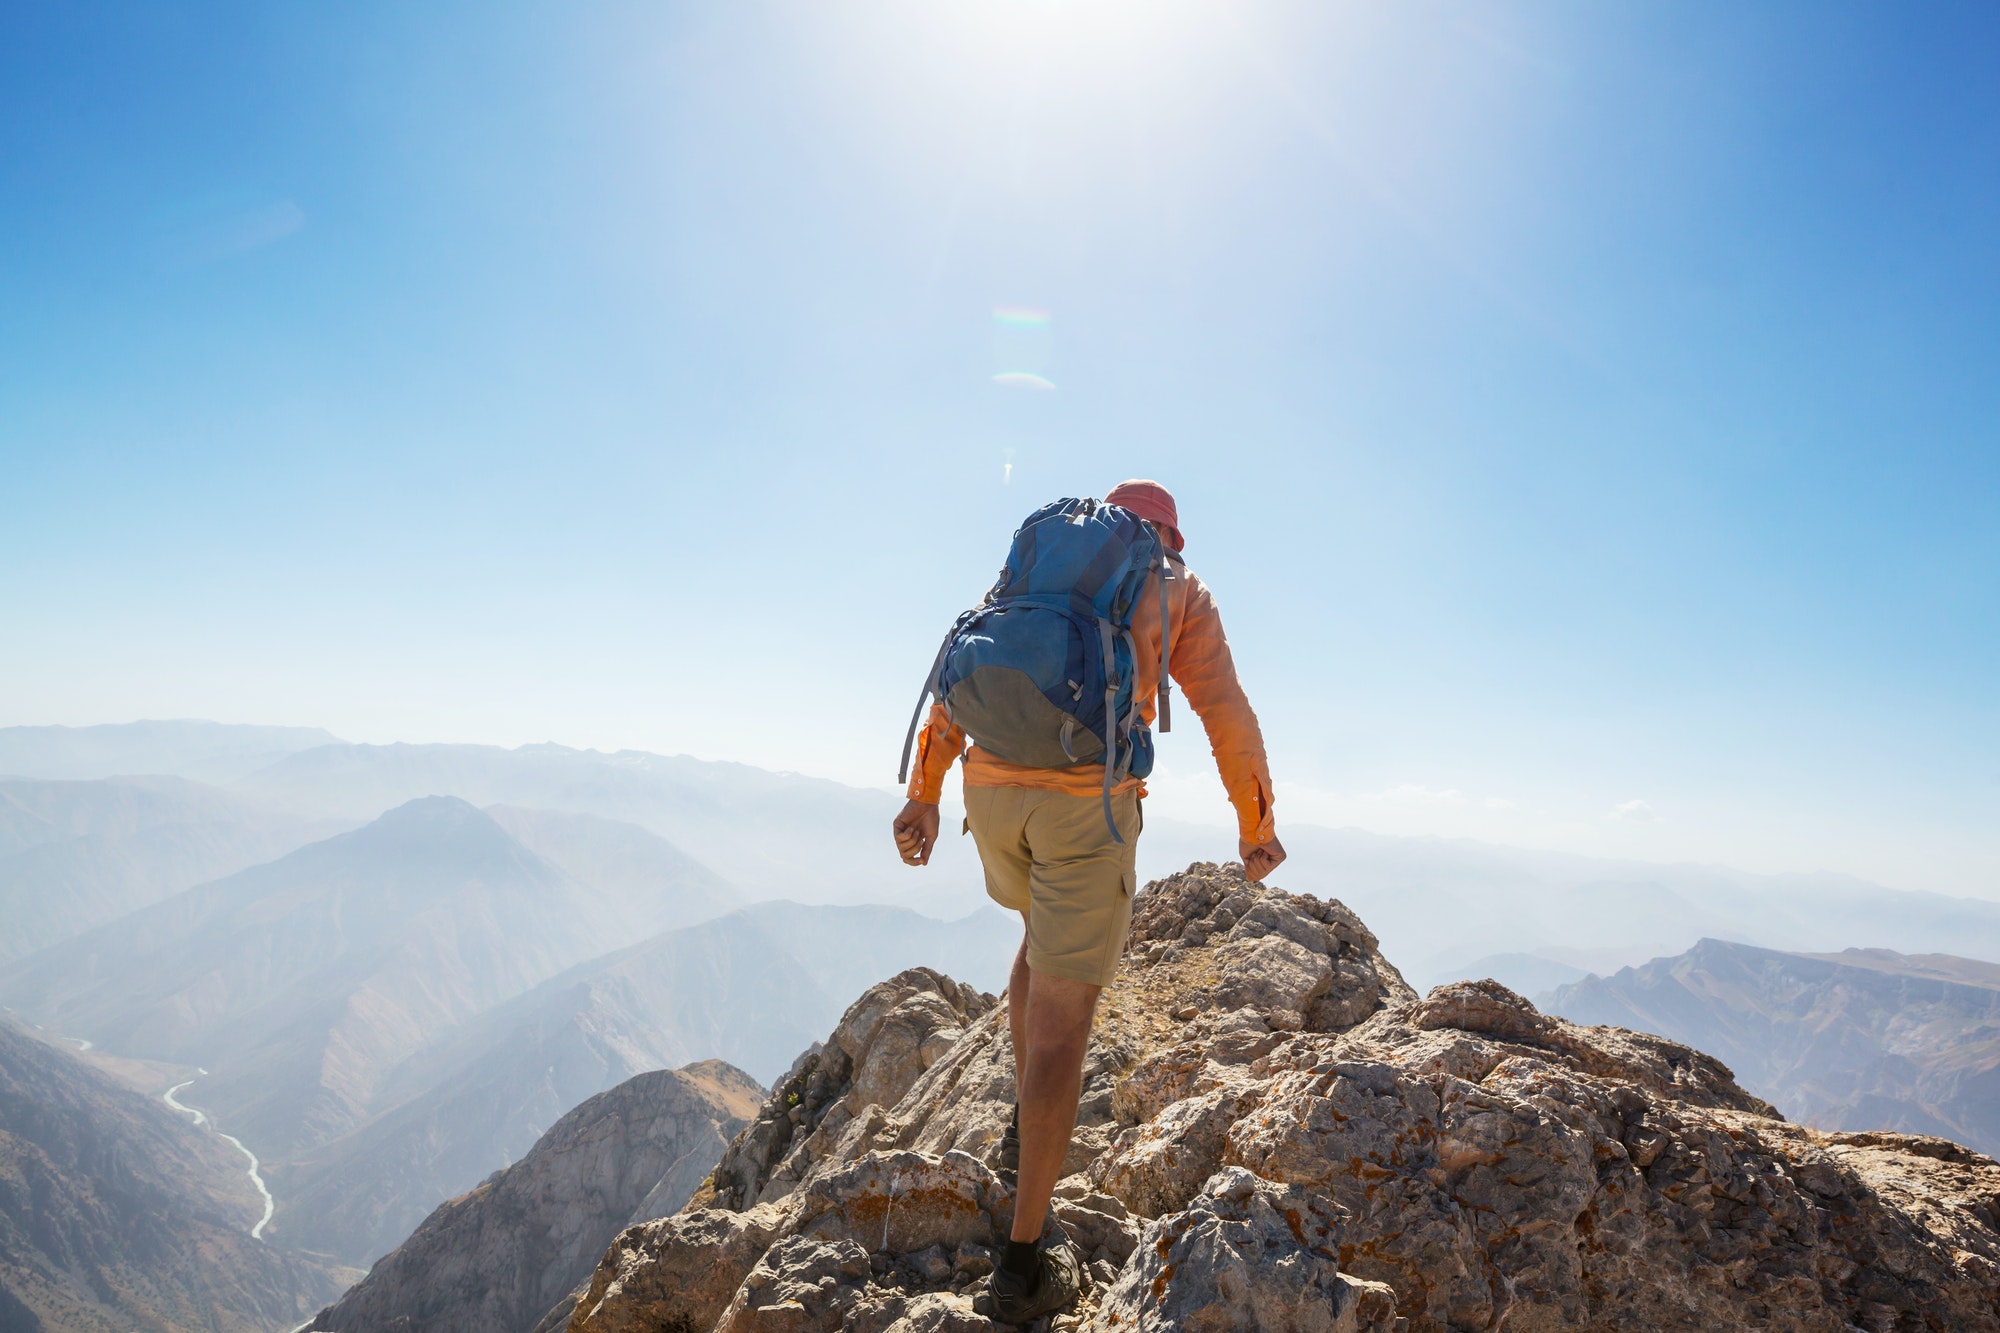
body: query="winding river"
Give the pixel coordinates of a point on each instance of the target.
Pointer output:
(270, 1204)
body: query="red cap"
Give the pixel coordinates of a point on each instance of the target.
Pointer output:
(1152, 501)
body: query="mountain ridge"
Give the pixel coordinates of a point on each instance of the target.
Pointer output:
(494, 1259)
(186, 747)
(720, 813)
(1862, 1040)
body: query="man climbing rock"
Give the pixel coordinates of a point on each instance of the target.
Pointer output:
(1056, 678)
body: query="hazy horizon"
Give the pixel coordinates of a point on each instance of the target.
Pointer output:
(1171, 832)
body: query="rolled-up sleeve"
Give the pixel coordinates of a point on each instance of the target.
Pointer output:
(938, 744)
(1201, 665)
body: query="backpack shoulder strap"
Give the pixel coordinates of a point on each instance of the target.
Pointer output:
(924, 697)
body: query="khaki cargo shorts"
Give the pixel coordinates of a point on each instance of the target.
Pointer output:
(1049, 855)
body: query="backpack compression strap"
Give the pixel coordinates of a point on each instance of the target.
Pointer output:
(1131, 718)
(1110, 726)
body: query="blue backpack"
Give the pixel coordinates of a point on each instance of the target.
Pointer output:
(1041, 672)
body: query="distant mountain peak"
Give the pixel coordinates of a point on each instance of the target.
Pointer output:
(435, 812)
(440, 831)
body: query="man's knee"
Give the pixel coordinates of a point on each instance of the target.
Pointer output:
(1059, 1009)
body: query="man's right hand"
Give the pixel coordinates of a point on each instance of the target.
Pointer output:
(916, 833)
(1259, 861)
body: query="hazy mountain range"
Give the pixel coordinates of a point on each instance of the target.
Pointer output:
(778, 834)
(76, 854)
(1862, 1040)
(215, 752)
(774, 834)
(1441, 904)
(738, 987)
(391, 1013)
(300, 983)
(1444, 905)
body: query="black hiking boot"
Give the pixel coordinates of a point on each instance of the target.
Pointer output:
(1057, 1283)
(1008, 1165)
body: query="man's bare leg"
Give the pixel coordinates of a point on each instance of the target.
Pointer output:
(1017, 1005)
(1009, 1161)
(1047, 1085)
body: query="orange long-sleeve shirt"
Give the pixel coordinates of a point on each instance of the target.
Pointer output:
(1198, 660)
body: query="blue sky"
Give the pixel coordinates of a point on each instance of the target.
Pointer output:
(1585, 414)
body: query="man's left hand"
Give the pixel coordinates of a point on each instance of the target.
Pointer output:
(916, 833)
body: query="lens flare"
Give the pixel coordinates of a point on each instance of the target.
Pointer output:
(1022, 347)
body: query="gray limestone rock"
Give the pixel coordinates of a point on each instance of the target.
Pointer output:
(678, 1272)
(1159, 1166)
(902, 1202)
(1245, 1254)
(800, 1283)
(1270, 973)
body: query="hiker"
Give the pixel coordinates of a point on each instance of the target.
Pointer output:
(1057, 821)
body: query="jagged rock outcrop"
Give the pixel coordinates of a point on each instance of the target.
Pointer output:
(496, 1259)
(1278, 1134)
(884, 1043)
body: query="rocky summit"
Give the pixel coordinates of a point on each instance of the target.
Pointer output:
(1278, 1134)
